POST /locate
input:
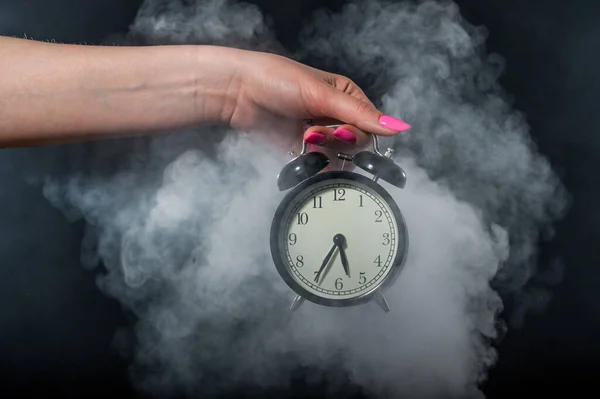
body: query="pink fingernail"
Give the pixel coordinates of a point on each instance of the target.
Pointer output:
(315, 138)
(393, 123)
(345, 135)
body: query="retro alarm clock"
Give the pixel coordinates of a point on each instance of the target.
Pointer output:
(338, 238)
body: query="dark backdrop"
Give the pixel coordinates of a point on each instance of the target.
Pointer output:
(57, 329)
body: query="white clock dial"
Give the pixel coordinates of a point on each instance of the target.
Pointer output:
(366, 228)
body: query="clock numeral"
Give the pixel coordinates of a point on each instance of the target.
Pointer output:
(338, 195)
(338, 283)
(292, 237)
(378, 215)
(302, 218)
(377, 261)
(317, 202)
(361, 201)
(386, 239)
(299, 261)
(362, 279)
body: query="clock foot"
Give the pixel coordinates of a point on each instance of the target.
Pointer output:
(298, 301)
(382, 302)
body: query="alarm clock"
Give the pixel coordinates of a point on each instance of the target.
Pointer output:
(338, 238)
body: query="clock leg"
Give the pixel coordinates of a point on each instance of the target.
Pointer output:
(382, 302)
(298, 301)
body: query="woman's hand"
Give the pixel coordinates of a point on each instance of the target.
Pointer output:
(274, 95)
(58, 93)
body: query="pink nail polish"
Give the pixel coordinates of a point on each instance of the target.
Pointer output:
(315, 138)
(393, 123)
(345, 135)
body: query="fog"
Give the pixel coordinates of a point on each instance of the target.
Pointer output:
(181, 224)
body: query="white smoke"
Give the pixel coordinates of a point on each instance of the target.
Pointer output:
(182, 226)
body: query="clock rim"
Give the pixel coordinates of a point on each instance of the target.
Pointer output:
(397, 265)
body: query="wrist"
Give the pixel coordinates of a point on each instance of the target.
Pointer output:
(217, 83)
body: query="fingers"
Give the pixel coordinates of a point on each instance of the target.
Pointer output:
(344, 135)
(347, 102)
(325, 139)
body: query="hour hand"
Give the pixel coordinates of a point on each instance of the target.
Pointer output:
(344, 260)
(340, 240)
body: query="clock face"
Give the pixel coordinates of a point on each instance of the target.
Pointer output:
(337, 237)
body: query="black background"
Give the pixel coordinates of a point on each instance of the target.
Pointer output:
(57, 329)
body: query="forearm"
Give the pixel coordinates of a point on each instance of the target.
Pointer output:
(54, 93)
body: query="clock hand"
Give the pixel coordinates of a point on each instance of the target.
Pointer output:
(340, 240)
(344, 260)
(325, 262)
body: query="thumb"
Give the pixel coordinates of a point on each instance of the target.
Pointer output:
(360, 113)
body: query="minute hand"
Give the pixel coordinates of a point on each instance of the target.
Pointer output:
(325, 262)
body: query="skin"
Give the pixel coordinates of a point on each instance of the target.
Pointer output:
(60, 93)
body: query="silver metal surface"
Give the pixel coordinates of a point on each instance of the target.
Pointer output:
(344, 158)
(296, 303)
(388, 154)
(376, 144)
(381, 301)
